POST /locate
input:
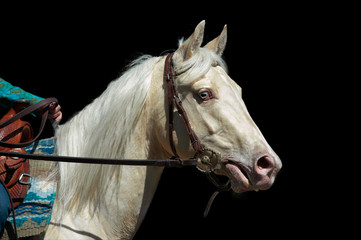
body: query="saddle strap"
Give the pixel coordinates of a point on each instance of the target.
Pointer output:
(13, 169)
(43, 105)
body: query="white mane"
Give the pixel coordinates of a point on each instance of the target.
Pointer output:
(102, 129)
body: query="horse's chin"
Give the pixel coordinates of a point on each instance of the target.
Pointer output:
(239, 178)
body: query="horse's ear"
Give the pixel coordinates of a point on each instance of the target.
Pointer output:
(193, 43)
(218, 44)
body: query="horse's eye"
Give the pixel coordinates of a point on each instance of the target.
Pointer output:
(205, 94)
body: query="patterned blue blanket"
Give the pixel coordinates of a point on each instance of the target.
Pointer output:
(34, 214)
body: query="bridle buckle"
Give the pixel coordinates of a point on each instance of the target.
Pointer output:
(207, 160)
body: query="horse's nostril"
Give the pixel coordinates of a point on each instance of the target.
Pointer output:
(264, 169)
(265, 162)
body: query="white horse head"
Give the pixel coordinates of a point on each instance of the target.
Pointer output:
(130, 120)
(219, 117)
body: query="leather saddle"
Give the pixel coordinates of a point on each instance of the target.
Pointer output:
(15, 172)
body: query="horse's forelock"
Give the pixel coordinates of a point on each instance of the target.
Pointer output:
(197, 66)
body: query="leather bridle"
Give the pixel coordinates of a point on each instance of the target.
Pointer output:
(175, 101)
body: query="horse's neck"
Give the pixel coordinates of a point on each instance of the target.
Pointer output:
(120, 195)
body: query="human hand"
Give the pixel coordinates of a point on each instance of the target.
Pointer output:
(55, 113)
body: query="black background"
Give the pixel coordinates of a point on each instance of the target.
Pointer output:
(276, 53)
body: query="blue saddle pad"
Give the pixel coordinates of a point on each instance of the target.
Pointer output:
(34, 214)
